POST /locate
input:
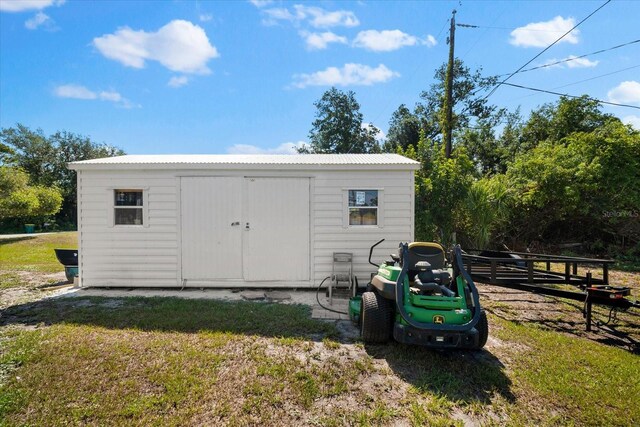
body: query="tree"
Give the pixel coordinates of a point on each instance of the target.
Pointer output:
(338, 127)
(584, 187)
(442, 186)
(21, 201)
(45, 159)
(483, 146)
(404, 130)
(487, 206)
(467, 104)
(554, 121)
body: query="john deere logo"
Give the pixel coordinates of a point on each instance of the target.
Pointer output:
(438, 319)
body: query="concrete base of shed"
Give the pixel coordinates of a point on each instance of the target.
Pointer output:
(299, 296)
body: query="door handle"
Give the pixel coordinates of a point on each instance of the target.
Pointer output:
(246, 227)
(235, 223)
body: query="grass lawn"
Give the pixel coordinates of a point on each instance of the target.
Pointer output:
(173, 361)
(35, 253)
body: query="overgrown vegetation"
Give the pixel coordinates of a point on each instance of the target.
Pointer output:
(568, 173)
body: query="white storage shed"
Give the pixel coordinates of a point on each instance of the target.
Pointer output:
(238, 220)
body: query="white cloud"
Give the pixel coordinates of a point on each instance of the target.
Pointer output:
(178, 81)
(319, 41)
(38, 20)
(285, 148)
(388, 40)
(542, 34)
(312, 15)
(261, 3)
(581, 62)
(625, 93)
(74, 91)
(430, 41)
(110, 96)
(320, 18)
(571, 62)
(349, 75)
(205, 17)
(633, 121)
(179, 46)
(274, 15)
(22, 5)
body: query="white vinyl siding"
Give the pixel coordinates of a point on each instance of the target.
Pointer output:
(129, 256)
(150, 256)
(330, 222)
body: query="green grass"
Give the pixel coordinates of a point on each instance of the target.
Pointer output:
(176, 361)
(158, 360)
(35, 253)
(591, 383)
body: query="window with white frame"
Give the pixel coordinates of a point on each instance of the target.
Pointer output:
(128, 207)
(363, 207)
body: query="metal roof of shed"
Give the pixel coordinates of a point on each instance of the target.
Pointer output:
(242, 161)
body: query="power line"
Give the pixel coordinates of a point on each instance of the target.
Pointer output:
(573, 58)
(507, 28)
(481, 35)
(544, 50)
(597, 77)
(582, 81)
(571, 96)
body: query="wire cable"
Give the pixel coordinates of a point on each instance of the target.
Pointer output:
(581, 81)
(571, 96)
(544, 50)
(573, 58)
(318, 298)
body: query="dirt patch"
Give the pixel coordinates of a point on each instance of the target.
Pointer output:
(622, 329)
(28, 286)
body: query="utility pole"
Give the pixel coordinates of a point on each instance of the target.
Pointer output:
(448, 90)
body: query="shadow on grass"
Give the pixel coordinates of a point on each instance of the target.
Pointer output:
(15, 240)
(461, 376)
(173, 315)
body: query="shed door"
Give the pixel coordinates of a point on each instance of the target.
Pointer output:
(211, 215)
(276, 229)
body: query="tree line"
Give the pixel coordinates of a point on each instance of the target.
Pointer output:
(567, 173)
(35, 185)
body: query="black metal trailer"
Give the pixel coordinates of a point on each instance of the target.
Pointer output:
(533, 273)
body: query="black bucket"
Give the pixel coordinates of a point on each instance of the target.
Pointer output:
(67, 257)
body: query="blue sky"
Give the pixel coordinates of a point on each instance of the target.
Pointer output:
(242, 76)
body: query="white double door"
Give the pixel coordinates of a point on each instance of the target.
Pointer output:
(252, 229)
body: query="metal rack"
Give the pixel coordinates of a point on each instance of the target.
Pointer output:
(341, 271)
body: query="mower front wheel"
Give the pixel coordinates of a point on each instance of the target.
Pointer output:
(375, 319)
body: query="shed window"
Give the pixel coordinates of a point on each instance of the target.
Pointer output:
(128, 207)
(363, 207)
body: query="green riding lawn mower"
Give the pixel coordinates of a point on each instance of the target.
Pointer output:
(418, 299)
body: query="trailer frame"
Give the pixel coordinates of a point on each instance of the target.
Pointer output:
(518, 270)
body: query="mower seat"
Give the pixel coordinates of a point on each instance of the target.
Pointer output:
(427, 262)
(431, 252)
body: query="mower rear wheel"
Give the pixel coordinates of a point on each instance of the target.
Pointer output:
(375, 319)
(483, 329)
